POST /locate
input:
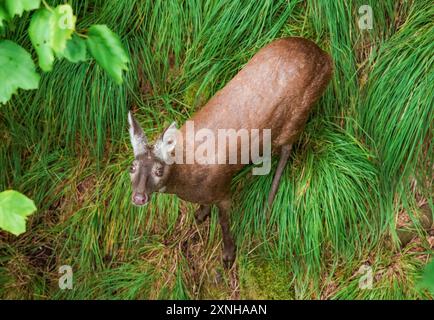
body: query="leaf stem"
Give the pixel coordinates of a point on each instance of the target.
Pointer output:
(47, 5)
(82, 35)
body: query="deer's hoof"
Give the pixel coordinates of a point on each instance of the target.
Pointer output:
(201, 214)
(228, 257)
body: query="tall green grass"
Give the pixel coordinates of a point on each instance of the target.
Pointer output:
(397, 112)
(66, 146)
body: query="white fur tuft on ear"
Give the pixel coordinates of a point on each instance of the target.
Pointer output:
(166, 143)
(137, 136)
(130, 118)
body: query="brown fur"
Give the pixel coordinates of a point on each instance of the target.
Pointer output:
(275, 90)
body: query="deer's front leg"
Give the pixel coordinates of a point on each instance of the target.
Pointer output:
(202, 213)
(228, 243)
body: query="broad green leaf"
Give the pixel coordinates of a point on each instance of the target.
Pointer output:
(106, 47)
(17, 7)
(17, 70)
(64, 26)
(75, 50)
(41, 32)
(14, 209)
(3, 14)
(427, 281)
(49, 32)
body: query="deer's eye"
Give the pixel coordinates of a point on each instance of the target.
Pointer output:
(159, 172)
(132, 168)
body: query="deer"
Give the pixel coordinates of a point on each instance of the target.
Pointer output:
(275, 90)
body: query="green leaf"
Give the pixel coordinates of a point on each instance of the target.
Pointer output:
(17, 7)
(3, 15)
(427, 281)
(75, 50)
(106, 47)
(17, 70)
(49, 32)
(64, 26)
(14, 208)
(41, 33)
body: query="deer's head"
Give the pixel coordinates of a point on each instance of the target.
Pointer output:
(150, 168)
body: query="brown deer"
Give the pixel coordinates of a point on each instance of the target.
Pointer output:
(275, 90)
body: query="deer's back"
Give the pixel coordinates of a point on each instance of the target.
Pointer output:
(276, 87)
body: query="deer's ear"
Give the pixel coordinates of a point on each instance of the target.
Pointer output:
(165, 145)
(137, 136)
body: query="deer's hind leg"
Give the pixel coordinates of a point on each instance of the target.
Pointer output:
(228, 242)
(284, 156)
(202, 213)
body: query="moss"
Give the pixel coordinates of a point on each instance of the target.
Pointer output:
(195, 95)
(266, 280)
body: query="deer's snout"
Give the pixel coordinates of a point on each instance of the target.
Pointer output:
(140, 199)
